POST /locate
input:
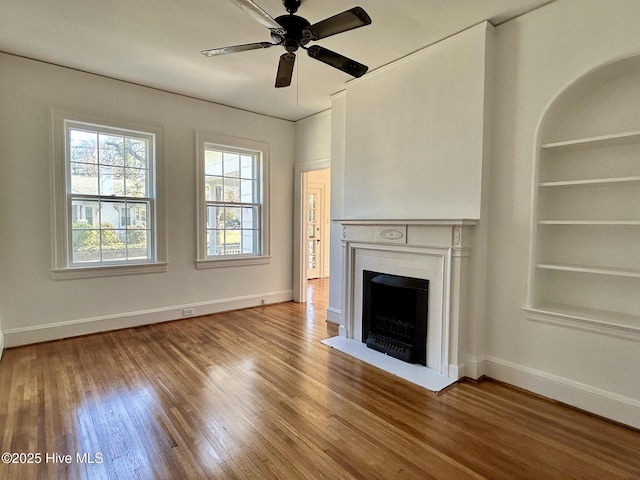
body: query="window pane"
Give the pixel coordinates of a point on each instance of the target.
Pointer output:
(250, 217)
(215, 216)
(83, 214)
(111, 150)
(136, 182)
(137, 243)
(113, 244)
(135, 152)
(215, 242)
(247, 189)
(231, 164)
(212, 162)
(138, 214)
(85, 243)
(232, 218)
(84, 178)
(83, 146)
(213, 188)
(232, 242)
(106, 180)
(111, 214)
(231, 190)
(249, 241)
(246, 166)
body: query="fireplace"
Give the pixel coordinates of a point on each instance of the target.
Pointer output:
(394, 315)
(435, 252)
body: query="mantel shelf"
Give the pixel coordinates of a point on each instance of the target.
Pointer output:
(427, 222)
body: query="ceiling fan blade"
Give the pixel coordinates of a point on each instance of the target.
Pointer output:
(342, 22)
(337, 61)
(212, 52)
(285, 69)
(260, 15)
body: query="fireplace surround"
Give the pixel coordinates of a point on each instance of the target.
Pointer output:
(433, 250)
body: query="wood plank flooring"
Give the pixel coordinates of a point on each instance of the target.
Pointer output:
(254, 394)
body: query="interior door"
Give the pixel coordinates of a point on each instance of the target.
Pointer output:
(314, 232)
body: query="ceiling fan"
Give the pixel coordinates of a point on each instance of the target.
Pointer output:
(293, 32)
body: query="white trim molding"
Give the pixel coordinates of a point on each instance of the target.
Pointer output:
(334, 315)
(473, 367)
(613, 406)
(86, 326)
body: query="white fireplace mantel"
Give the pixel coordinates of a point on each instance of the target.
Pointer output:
(434, 249)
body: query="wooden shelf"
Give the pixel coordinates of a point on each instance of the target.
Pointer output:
(572, 172)
(594, 181)
(604, 321)
(597, 270)
(599, 141)
(590, 222)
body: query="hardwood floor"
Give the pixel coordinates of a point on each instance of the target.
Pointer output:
(254, 394)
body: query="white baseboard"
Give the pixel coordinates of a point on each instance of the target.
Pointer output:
(84, 326)
(334, 315)
(474, 367)
(606, 404)
(1, 344)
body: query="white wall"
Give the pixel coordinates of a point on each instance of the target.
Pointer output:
(415, 133)
(35, 307)
(313, 138)
(338, 140)
(537, 56)
(313, 151)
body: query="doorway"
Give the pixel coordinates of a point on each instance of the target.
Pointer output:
(313, 230)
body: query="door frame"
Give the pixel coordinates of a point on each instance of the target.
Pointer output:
(299, 241)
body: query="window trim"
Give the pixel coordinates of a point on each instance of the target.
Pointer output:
(62, 268)
(203, 261)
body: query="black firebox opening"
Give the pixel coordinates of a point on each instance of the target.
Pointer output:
(394, 315)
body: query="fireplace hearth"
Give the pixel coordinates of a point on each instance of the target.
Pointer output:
(394, 315)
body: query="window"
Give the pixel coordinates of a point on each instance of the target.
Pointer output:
(231, 200)
(107, 211)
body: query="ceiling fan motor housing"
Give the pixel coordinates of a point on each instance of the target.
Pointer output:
(295, 37)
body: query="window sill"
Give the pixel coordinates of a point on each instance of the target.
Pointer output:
(232, 262)
(108, 271)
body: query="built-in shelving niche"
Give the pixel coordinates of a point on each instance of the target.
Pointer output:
(585, 266)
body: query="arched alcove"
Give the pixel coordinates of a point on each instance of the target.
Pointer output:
(586, 251)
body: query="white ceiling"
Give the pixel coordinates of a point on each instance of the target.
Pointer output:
(157, 43)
